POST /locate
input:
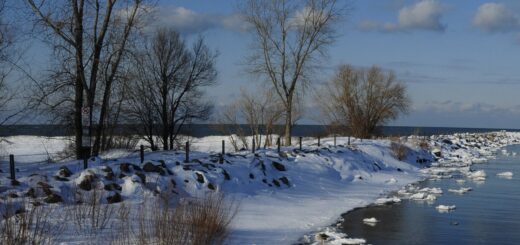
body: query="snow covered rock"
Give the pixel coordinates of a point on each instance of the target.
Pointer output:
(445, 208)
(505, 175)
(462, 190)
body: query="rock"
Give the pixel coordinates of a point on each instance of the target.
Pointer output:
(86, 183)
(15, 182)
(124, 167)
(110, 176)
(251, 176)
(136, 167)
(226, 175)
(211, 186)
(121, 175)
(200, 178)
(278, 166)
(141, 176)
(12, 195)
(31, 193)
(107, 169)
(173, 183)
(285, 181)
(150, 167)
(64, 172)
(114, 198)
(46, 188)
(53, 198)
(275, 182)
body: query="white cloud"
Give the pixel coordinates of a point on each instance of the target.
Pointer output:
(423, 15)
(496, 17)
(188, 21)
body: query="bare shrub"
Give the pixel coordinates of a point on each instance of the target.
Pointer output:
(21, 224)
(195, 221)
(362, 100)
(88, 212)
(399, 150)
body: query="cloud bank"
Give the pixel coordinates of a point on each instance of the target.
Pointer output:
(495, 18)
(423, 15)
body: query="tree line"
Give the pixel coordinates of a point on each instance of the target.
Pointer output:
(110, 67)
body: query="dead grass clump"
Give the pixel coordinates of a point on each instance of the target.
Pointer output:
(89, 213)
(27, 224)
(195, 221)
(399, 150)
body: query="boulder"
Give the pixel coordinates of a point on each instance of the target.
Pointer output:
(113, 187)
(200, 178)
(114, 198)
(86, 183)
(150, 167)
(124, 167)
(141, 176)
(285, 181)
(278, 166)
(64, 172)
(53, 198)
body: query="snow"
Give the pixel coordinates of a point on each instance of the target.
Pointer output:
(505, 175)
(445, 208)
(461, 190)
(314, 187)
(370, 220)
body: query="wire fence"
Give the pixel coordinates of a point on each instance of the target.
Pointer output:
(217, 146)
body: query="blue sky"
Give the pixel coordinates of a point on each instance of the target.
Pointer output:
(460, 59)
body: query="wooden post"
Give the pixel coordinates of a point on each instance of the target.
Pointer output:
(349, 140)
(187, 152)
(300, 143)
(142, 153)
(334, 140)
(11, 167)
(253, 148)
(223, 152)
(85, 162)
(318, 141)
(278, 143)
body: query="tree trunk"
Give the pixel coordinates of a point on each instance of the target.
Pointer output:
(78, 125)
(288, 123)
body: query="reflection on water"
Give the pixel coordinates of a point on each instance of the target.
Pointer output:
(489, 214)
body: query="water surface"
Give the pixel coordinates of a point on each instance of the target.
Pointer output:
(490, 214)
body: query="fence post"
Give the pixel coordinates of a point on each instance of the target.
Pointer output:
(223, 152)
(300, 143)
(142, 153)
(318, 141)
(253, 148)
(348, 140)
(334, 140)
(187, 152)
(278, 143)
(11, 167)
(85, 162)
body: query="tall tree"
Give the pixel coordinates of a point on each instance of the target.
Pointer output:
(167, 87)
(93, 35)
(289, 38)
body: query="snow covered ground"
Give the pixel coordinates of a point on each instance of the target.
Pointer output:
(283, 198)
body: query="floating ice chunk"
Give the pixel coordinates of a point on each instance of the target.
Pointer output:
(390, 200)
(370, 220)
(461, 181)
(461, 190)
(477, 175)
(418, 196)
(505, 174)
(433, 190)
(430, 197)
(445, 208)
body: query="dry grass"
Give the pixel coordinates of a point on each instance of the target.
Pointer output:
(88, 212)
(193, 222)
(21, 223)
(399, 149)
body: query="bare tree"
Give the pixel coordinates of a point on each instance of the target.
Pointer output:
(289, 38)
(91, 36)
(167, 91)
(361, 100)
(261, 113)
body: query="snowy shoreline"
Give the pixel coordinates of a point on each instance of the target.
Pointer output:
(282, 197)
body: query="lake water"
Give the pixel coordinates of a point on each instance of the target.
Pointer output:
(490, 214)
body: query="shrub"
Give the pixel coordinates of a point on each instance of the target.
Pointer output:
(399, 150)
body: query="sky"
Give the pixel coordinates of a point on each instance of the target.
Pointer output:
(458, 58)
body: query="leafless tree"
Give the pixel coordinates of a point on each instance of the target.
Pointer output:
(90, 38)
(167, 87)
(261, 113)
(289, 38)
(361, 100)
